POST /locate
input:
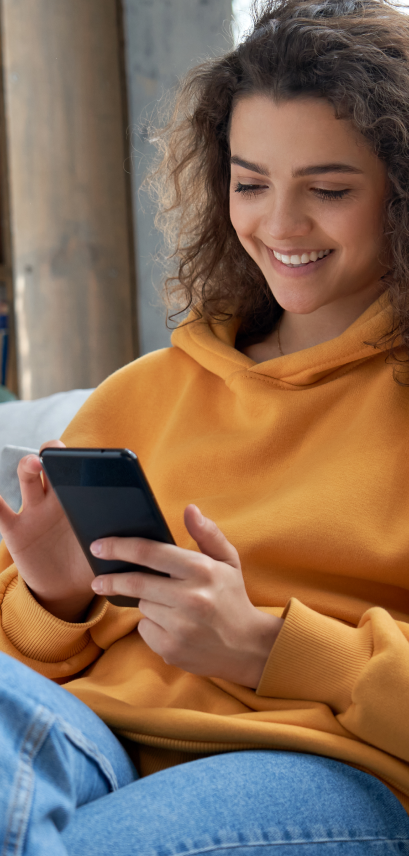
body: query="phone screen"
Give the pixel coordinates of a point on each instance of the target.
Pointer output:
(105, 492)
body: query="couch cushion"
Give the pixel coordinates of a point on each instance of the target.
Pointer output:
(31, 423)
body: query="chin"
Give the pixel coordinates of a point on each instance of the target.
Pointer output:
(298, 304)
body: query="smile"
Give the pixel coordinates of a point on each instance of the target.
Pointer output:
(300, 260)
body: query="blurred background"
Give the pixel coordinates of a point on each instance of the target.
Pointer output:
(79, 81)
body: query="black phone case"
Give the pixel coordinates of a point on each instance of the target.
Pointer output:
(104, 492)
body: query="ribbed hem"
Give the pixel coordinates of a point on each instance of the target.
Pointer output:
(39, 635)
(315, 658)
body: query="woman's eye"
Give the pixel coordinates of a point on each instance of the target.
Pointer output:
(247, 189)
(330, 194)
(254, 189)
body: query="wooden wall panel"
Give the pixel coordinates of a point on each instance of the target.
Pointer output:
(74, 290)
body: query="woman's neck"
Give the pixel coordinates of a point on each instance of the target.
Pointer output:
(296, 332)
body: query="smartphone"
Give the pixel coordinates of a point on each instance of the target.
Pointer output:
(105, 492)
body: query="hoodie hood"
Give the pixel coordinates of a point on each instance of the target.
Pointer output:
(213, 347)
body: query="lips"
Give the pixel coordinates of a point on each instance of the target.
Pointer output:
(300, 258)
(304, 269)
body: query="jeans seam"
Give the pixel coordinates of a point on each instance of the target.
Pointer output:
(295, 843)
(19, 818)
(78, 739)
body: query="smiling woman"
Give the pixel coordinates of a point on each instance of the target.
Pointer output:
(272, 652)
(341, 92)
(310, 212)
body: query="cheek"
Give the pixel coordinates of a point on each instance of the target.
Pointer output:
(358, 228)
(375, 219)
(360, 237)
(243, 218)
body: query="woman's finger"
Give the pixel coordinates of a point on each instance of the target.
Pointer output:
(29, 474)
(150, 587)
(209, 537)
(155, 637)
(176, 561)
(51, 444)
(168, 558)
(159, 613)
(8, 517)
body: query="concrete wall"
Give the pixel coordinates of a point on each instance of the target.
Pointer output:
(164, 38)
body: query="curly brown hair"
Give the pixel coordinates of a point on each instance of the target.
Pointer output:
(355, 54)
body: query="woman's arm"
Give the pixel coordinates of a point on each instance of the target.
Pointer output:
(201, 619)
(361, 673)
(48, 608)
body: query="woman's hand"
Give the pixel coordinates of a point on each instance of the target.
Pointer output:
(44, 547)
(201, 618)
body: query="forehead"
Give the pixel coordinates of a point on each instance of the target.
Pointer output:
(296, 132)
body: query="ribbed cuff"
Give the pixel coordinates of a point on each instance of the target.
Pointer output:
(315, 658)
(39, 635)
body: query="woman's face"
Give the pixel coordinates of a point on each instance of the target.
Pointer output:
(306, 201)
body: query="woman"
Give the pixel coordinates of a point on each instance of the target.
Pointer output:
(275, 658)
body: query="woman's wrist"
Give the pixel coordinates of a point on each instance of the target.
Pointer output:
(72, 609)
(252, 651)
(268, 628)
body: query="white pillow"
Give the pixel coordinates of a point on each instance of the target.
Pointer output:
(31, 423)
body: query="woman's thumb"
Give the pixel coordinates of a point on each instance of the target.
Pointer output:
(7, 517)
(209, 538)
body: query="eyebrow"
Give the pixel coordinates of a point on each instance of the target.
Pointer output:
(322, 168)
(315, 169)
(254, 167)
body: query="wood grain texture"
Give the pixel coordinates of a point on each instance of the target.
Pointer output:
(70, 220)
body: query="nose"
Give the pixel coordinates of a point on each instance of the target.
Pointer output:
(286, 219)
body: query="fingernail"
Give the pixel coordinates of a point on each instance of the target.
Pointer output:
(97, 585)
(96, 548)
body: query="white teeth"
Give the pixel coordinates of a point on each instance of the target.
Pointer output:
(304, 259)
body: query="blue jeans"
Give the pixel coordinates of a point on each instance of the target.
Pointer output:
(67, 786)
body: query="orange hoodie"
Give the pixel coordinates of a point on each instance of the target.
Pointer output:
(302, 462)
